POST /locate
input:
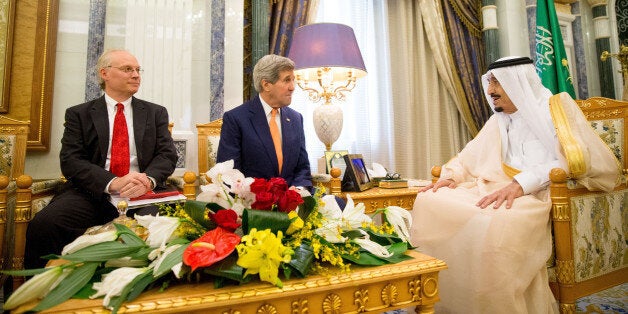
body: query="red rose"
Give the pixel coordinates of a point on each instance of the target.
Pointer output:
(263, 201)
(259, 185)
(226, 218)
(289, 201)
(212, 247)
(277, 184)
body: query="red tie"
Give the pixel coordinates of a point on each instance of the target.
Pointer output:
(120, 157)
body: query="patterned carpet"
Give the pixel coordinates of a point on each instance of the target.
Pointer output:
(613, 300)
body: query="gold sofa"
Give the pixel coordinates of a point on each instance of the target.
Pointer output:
(589, 228)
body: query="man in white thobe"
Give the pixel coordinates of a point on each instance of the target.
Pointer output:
(488, 216)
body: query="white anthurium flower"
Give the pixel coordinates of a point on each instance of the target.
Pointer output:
(400, 219)
(36, 287)
(354, 214)
(155, 264)
(89, 239)
(332, 232)
(114, 282)
(371, 246)
(160, 228)
(216, 172)
(214, 193)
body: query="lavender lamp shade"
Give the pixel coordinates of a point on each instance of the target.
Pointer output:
(326, 45)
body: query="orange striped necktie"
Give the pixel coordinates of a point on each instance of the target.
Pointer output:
(120, 156)
(274, 133)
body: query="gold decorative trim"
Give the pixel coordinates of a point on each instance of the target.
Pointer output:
(231, 312)
(414, 287)
(560, 212)
(571, 147)
(360, 298)
(300, 306)
(390, 295)
(565, 271)
(332, 303)
(567, 308)
(430, 287)
(267, 309)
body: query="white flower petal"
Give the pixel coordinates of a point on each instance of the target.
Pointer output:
(36, 287)
(331, 210)
(354, 214)
(114, 282)
(400, 219)
(216, 172)
(160, 228)
(157, 262)
(373, 247)
(331, 232)
(89, 239)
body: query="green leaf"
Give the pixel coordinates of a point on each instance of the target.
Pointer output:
(68, 286)
(140, 286)
(23, 272)
(382, 238)
(264, 219)
(302, 259)
(365, 258)
(169, 261)
(103, 251)
(128, 236)
(309, 204)
(138, 282)
(196, 211)
(228, 268)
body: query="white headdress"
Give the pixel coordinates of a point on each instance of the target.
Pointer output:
(520, 81)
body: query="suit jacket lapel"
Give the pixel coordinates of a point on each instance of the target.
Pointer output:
(100, 116)
(260, 124)
(139, 124)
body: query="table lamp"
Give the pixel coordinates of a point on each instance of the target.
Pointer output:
(327, 63)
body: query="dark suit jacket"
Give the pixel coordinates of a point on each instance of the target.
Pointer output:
(245, 138)
(86, 140)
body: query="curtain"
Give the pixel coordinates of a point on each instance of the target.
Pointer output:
(159, 34)
(428, 125)
(462, 19)
(285, 17)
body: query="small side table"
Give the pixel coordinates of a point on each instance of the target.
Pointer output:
(377, 197)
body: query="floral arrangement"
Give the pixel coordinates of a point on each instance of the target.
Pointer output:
(239, 229)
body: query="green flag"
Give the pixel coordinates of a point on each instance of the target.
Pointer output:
(551, 59)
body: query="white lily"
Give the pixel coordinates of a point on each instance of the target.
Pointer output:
(400, 219)
(371, 246)
(160, 228)
(352, 216)
(36, 287)
(219, 169)
(89, 239)
(214, 193)
(331, 232)
(157, 262)
(114, 282)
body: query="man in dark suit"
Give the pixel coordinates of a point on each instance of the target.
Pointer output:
(86, 159)
(246, 130)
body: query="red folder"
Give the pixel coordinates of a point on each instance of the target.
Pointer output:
(154, 195)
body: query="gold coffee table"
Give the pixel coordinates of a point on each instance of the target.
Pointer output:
(363, 290)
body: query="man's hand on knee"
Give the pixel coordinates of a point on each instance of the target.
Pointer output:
(508, 194)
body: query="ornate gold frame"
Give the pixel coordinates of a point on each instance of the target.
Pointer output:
(43, 75)
(6, 31)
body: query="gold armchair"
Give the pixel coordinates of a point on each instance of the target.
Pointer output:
(590, 228)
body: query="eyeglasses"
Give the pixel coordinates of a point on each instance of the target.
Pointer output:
(128, 69)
